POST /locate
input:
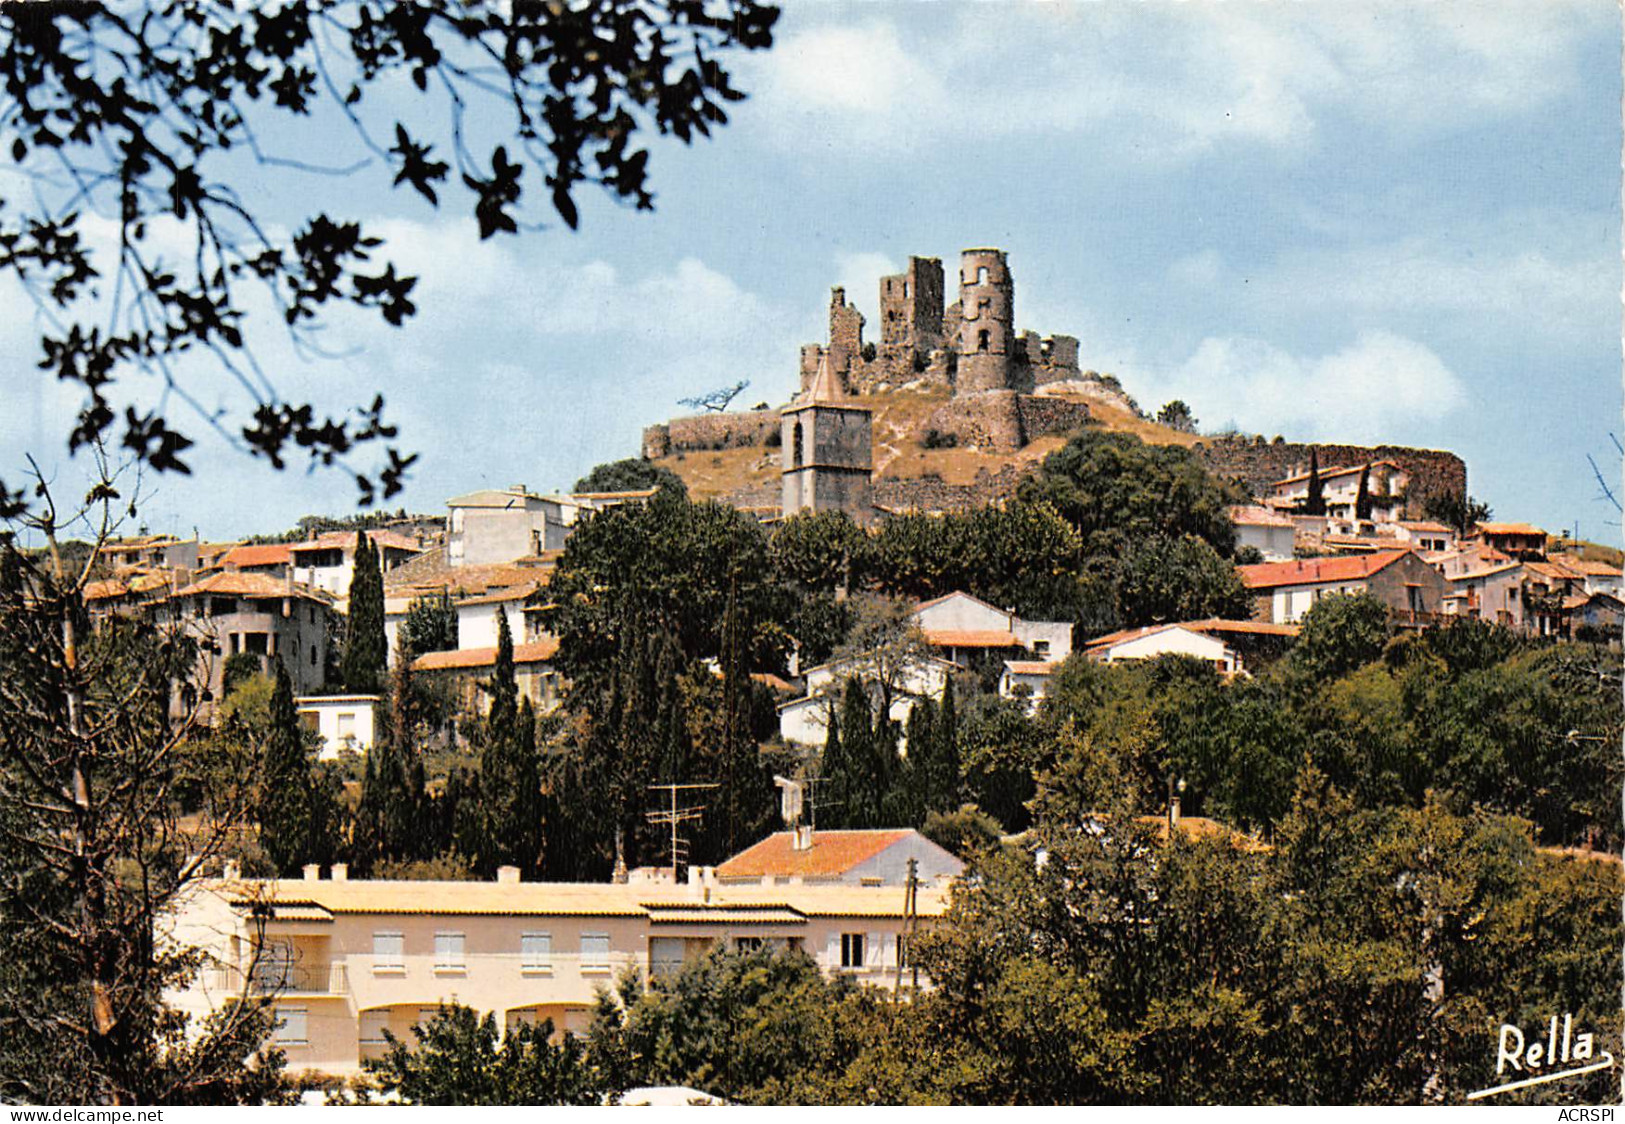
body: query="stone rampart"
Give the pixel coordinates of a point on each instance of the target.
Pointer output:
(1257, 464)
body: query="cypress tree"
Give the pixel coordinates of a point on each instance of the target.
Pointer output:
(286, 818)
(389, 816)
(1315, 503)
(511, 828)
(366, 649)
(941, 780)
(1362, 499)
(859, 787)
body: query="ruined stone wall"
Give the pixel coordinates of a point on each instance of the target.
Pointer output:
(1003, 421)
(1257, 465)
(709, 431)
(845, 330)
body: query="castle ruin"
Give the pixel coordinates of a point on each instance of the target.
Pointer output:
(969, 347)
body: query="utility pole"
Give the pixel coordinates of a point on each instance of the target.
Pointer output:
(905, 945)
(673, 816)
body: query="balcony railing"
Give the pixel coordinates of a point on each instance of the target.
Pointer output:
(285, 979)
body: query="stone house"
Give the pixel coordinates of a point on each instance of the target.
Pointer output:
(1516, 540)
(234, 613)
(1284, 591)
(149, 552)
(467, 669)
(271, 560)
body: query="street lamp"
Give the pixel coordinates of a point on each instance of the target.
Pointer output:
(1176, 789)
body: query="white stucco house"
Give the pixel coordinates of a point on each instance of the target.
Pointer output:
(805, 721)
(957, 623)
(342, 721)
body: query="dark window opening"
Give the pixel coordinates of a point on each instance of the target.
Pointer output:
(983, 338)
(795, 446)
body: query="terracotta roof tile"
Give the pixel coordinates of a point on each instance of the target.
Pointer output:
(537, 651)
(263, 554)
(1030, 667)
(231, 584)
(1313, 571)
(969, 638)
(832, 854)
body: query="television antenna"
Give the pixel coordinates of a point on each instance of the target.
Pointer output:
(674, 816)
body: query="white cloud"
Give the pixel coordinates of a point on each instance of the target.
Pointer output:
(1173, 79)
(1382, 387)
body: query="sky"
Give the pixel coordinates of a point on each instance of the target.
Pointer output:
(1354, 222)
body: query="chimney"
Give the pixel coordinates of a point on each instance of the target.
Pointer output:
(507, 875)
(1173, 809)
(341, 872)
(801, 839)
(313, 872)
(694, 875)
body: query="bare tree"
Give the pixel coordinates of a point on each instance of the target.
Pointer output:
(99, 837)
(715, 401)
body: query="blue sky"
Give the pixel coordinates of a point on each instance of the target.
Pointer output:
(1354, 222)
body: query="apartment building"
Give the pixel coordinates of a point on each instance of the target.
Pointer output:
(347, 960)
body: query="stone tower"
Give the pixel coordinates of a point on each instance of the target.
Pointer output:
(911, 307)
(987, 319)
(827, 454)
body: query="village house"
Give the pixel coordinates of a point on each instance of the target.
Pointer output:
(327, 562)
(465, 670)
(1491, 593)
(343, 961)
(1424, 535)
(1516, 540)
(235, 613)
(477, 616)
(805, 720)
(1600, 577)
(1284, 591)
(959, 626)
(1220, 643)
(344, 723)
(1027, 680)
(853, 858)
(1265, 530)
(271, 560)
(150, 552)
(494, 527)
(1385, 481)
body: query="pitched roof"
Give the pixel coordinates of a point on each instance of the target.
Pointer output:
(1256, 515)
(262, 554)
(493, 497)
(1587, 566)
(230, 584)
(961, 595)
(430, 573)
(768, 679)
(1509, 529)
(969, 638)
(1553, 571)
(832, 854)
(1426, 525)
(1314, 571)
(1030, 667)
(340, 540)
(537, 651)
(1474, 575)
(510, 593)
(1329, 473)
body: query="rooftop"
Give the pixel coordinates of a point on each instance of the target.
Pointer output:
(1313, 571)
(969, 638)
(345, 540)
(1331, 473)
(262, 554)
(832, 854)
(537, 651)
(229, 584)
(1030, 667)
(1510, 529)
(309, 900)
(1256, 515)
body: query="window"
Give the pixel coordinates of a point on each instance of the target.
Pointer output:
(747, 944)
(535, 952)
(373, 1025)
(851, 950)
(448, 952)
(290, 1027)
(388, 952)
(795, 446)
(981, 275)
(982, 339)
(595, 952)
(346, 722)
(1041, 649)
(273, 971)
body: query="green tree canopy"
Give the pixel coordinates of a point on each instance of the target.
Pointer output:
(630, 475)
